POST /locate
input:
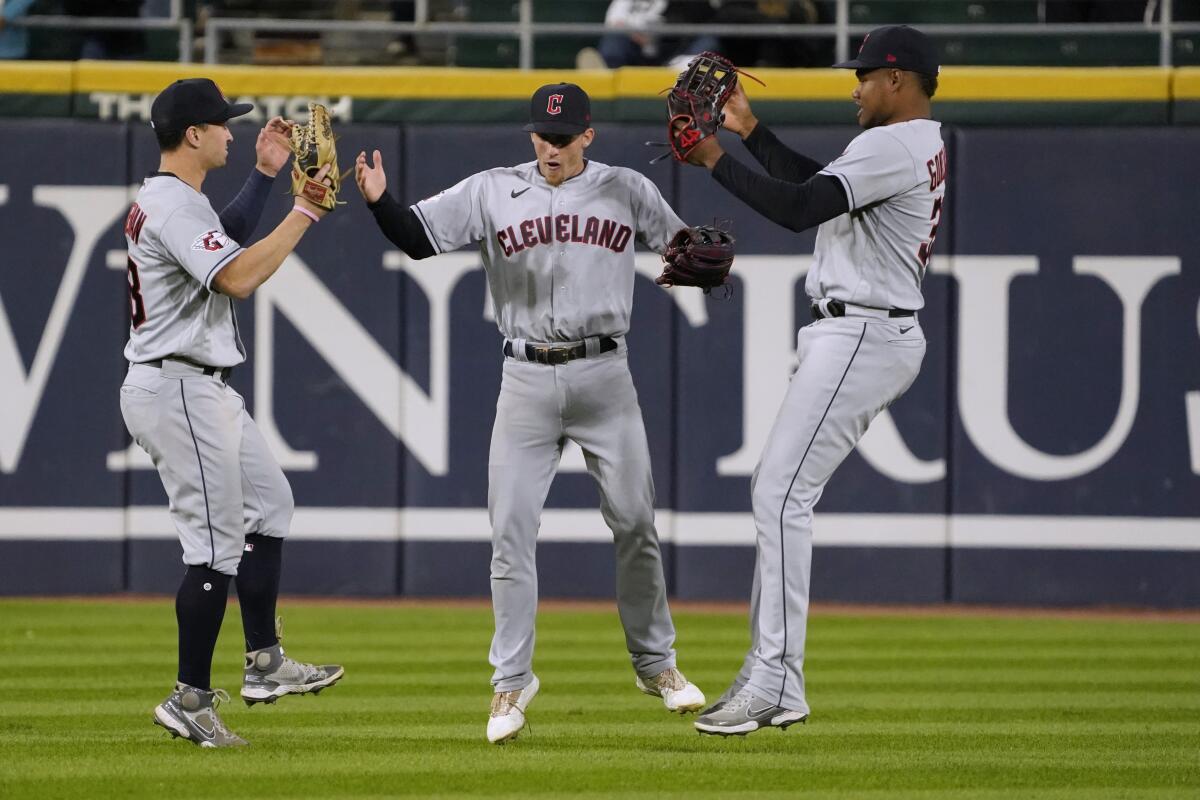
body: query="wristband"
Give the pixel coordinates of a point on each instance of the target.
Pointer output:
(306, 213)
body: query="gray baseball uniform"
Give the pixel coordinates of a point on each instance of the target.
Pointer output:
(220, 476)
(870, 262)
(559, 261)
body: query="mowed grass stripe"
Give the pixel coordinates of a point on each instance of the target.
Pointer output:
(903, 706)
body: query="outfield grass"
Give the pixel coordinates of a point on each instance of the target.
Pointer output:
(903, 706)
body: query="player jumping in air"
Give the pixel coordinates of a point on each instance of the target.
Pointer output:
(878, 207)
(555, 235)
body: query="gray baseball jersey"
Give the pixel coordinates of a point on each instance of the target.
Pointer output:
(848, 369)
(876, 255)
(219, 474)
(559, 260)
(176, 247)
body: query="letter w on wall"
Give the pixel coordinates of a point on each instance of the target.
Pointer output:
(90, 211)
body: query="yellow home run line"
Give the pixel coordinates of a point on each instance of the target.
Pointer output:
(1186, 83)
(1148, 84)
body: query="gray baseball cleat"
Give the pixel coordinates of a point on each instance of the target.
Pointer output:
(191, 713)
(270, 674)
(744, 713)
(677, 693)
(722, 700)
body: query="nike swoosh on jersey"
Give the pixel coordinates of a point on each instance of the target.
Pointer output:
(906, 330)
(515, 194)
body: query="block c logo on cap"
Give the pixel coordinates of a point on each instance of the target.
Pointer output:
(554, 104)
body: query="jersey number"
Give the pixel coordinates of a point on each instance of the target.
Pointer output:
(927, 246)
(137, 306)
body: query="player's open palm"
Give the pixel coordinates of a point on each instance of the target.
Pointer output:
(370, 178)
(272, 148)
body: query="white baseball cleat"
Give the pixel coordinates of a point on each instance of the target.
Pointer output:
(507, 717)
(677, 693)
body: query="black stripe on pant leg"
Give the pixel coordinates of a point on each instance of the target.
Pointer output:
(783, 508)
(203, 484)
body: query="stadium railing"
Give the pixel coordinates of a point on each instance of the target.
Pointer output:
(982, 42)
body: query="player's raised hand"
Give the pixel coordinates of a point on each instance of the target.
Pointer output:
(738, 117)
(272, 148)
(371, 180)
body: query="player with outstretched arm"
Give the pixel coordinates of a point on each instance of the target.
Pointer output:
(555, 235)
(229, 500)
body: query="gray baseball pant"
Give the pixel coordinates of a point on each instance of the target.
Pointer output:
(221, 479)
(591, 401)
(848, 369)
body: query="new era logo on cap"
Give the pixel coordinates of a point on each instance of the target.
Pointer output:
(561, 108)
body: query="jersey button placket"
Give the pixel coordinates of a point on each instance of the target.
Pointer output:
(557, 204)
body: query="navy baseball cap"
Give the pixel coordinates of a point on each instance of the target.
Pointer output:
(897, 47)
(561, 108)
(194, 101)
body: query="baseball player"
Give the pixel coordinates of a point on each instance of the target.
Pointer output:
(555, 235)
(878, 207)
(229, 500)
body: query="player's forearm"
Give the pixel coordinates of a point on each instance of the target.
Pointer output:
(795, 206)
(401, 227)
(241, 216)
(258, 262)
(779, 160)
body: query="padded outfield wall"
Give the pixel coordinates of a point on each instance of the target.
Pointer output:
(1049, 453)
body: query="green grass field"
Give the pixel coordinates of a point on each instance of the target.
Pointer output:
(903, 706)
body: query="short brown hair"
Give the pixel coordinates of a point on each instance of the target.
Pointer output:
(172, 140)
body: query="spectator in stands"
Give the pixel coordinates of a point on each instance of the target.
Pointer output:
(634, 48)
(627, 46)
(14, 40)
(108, 44)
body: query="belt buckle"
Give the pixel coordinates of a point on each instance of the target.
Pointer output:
(551, 355)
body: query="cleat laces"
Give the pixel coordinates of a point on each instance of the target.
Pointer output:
(671, 679)
(504, 702)
(219, 696)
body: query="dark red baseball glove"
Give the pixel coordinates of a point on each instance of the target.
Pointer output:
(700, 256)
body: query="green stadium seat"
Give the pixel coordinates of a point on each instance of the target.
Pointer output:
(1186, 52)
(891, 12)
(1101, 50)
(162, 45)
(490, 52)
(569, 10)
(558, 52)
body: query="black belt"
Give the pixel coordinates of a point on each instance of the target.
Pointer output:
(559, 353)
(222, 372)
(838, 309)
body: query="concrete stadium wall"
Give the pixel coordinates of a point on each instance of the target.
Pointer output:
(1048, 454)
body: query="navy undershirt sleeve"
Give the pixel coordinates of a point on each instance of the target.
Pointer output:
(401, 226)
(240, 217)
(795, 206)
(779, 160)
